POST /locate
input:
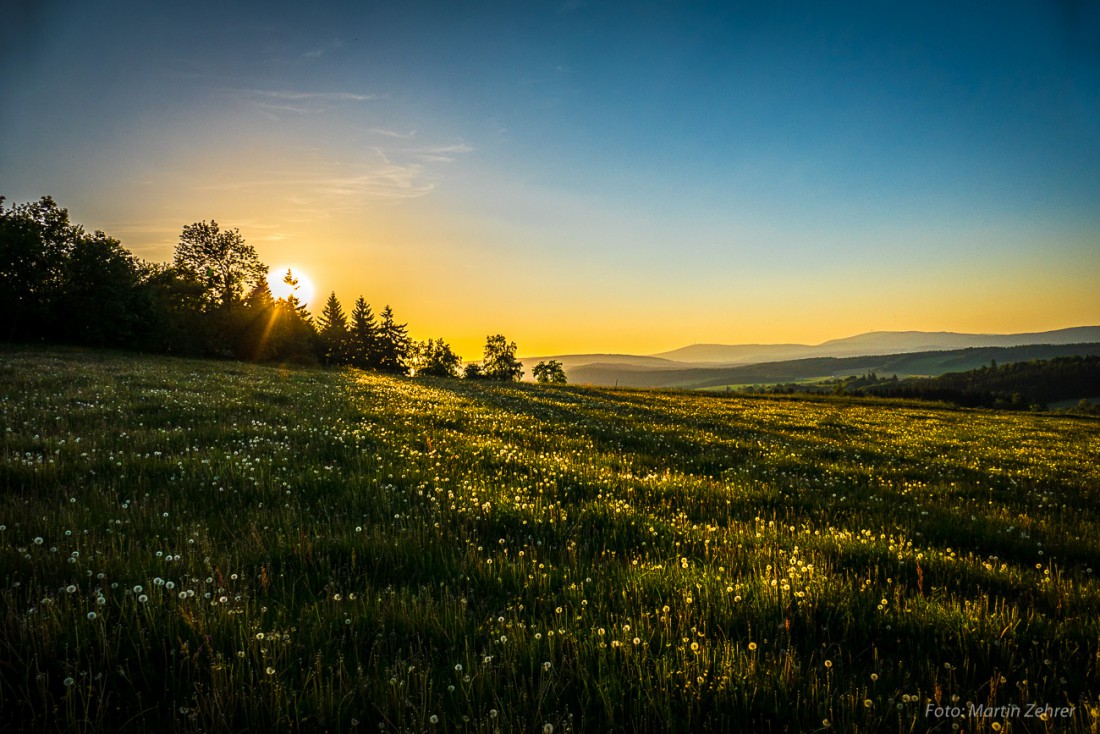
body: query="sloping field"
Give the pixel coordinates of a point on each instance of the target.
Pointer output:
(203, 546)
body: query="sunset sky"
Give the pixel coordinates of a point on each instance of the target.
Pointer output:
(590, 176)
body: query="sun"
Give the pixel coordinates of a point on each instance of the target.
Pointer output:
(276, 281)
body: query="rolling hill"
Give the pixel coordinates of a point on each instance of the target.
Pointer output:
(925, 364)
(913, 353)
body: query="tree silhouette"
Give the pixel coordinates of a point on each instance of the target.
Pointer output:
(96, 303)
(393, 344)
(550, 372)
(36, 239)
(220, 260)
(333, 330)
(363, 337)
(500, 361)
(434, 358)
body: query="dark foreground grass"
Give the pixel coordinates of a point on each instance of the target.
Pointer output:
(200, 546)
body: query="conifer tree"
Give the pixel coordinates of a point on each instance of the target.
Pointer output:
(333, 329)
(393, 353)
(363, 337)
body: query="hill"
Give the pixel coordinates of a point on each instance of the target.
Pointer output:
(820, 368)
(876, 342)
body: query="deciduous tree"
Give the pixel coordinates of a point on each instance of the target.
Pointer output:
(434, 358)
(550, 372)
(500, 361)
(220, 260)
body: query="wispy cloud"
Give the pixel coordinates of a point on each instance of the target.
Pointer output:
(311, 185)
(441, 153)
(303, 103)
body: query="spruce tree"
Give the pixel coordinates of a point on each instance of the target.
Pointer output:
(333, 328)
(393, 344)
(363, 338)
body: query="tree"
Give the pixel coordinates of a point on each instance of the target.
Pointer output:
(434, 358)
(363, 337)
(393, 344)
(36, 240)
(473, 371)
(169, 306)
(549, 372)
(333, 330)
(96, 304)
(221, 260)
(292, 301)
(500, 361)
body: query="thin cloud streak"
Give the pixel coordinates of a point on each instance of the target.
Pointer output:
(302, 103)
(313, 186)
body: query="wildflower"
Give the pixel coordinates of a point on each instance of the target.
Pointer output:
(458, 668)
(547, 729)
(71, 589)
(433, 719)
(143, 598)
(546, 666)
(752, 647)
(137, 589)
(828, 663)
(270, 670)
(874, 677)
(68, 682)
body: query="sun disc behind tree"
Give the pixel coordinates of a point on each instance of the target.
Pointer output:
(299, 285)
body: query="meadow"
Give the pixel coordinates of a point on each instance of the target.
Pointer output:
(214, 546)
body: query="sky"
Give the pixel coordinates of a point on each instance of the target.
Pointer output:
(587, 176)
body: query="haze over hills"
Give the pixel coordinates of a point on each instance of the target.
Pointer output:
(909, 364)
(874, 342)
(929, 353)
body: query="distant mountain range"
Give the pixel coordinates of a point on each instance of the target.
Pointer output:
(904, 353)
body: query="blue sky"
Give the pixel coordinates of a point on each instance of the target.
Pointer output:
(591, 176)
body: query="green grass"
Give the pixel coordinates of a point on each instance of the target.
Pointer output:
(204, 546)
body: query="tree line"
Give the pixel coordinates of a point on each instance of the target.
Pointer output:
(61, 284)
(1015, 386)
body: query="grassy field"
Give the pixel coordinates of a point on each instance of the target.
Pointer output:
(203, 546)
